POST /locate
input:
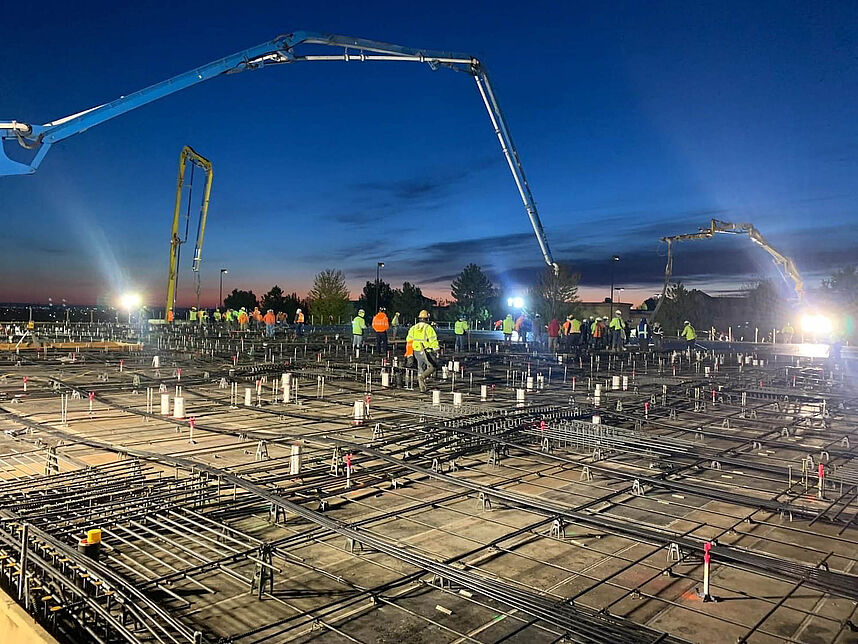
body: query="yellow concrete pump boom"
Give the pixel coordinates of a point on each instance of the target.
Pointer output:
(786, 266)
(188, 155)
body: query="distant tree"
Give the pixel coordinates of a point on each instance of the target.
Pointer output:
(409, 300)
(273, 300)
(555, 295)
(473, 291)
(843, 284)
(678, 305)
(329, 297)
(768, 308)
(367, 298)
(238, 299)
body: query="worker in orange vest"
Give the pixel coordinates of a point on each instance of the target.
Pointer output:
(257, 318)
(380, 325)
(269, 320)
(170, 316)
(299, 322)
(409, 355)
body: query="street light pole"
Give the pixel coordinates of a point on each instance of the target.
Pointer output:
(223, 272)
(378, 268)
(614, 260)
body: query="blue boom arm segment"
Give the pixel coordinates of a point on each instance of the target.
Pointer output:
(281, 50)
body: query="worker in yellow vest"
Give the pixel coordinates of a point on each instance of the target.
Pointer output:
(689, 334)
(460, 329)
(358, 327)
(424, 341)
(508, 327)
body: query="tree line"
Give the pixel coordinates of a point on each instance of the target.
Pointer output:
(474, 296)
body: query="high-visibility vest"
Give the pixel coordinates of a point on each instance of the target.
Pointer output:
(422, 337)
(242, 317)
(460, 327)
(616, 324)
(409, 348)
(508, 325)
(380, 323)
(269, 318)
(193, 316)
(358, 325)
(689, 333)
(217, 315)
(576, 326)
(299, 317)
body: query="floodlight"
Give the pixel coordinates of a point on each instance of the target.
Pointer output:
(131, 301)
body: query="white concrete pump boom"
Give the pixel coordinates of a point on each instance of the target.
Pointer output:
(786, 266)
(281, 50)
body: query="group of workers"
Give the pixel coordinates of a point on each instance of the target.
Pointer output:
(574, 333)
(241, 320)
(380, 324)
(421, 343)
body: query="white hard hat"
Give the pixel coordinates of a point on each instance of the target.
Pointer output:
(618, 312)
(298, 311)
(686, 322)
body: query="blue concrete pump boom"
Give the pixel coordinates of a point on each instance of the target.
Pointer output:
(39, 138)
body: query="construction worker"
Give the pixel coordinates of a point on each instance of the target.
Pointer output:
(508, 328)
(299, 322)
(409, 354)
(203, 316)
(257, 318)
(574, 331)
(538, 329)
(358, 327)
(498, 325)
(424, 341)
(787, 333)
(689, 334)
(618, 331)
(598, 333)
(170, 316)
(192, 315)
(585, 332)
(394, 324)
(380, 325)
(229, 317)
(553, 334)
(521, 327)
(243, 319)
(269, 320)
(657, 335)
(217, 317)
(643, 334)
(460, 329)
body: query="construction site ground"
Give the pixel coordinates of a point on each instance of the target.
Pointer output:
(570, 499)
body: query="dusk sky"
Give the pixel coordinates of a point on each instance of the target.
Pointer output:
(633, 121)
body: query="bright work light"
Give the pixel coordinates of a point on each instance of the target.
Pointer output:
(131, 301)
(816, 324)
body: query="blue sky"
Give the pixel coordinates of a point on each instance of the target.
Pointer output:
(633, 121)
